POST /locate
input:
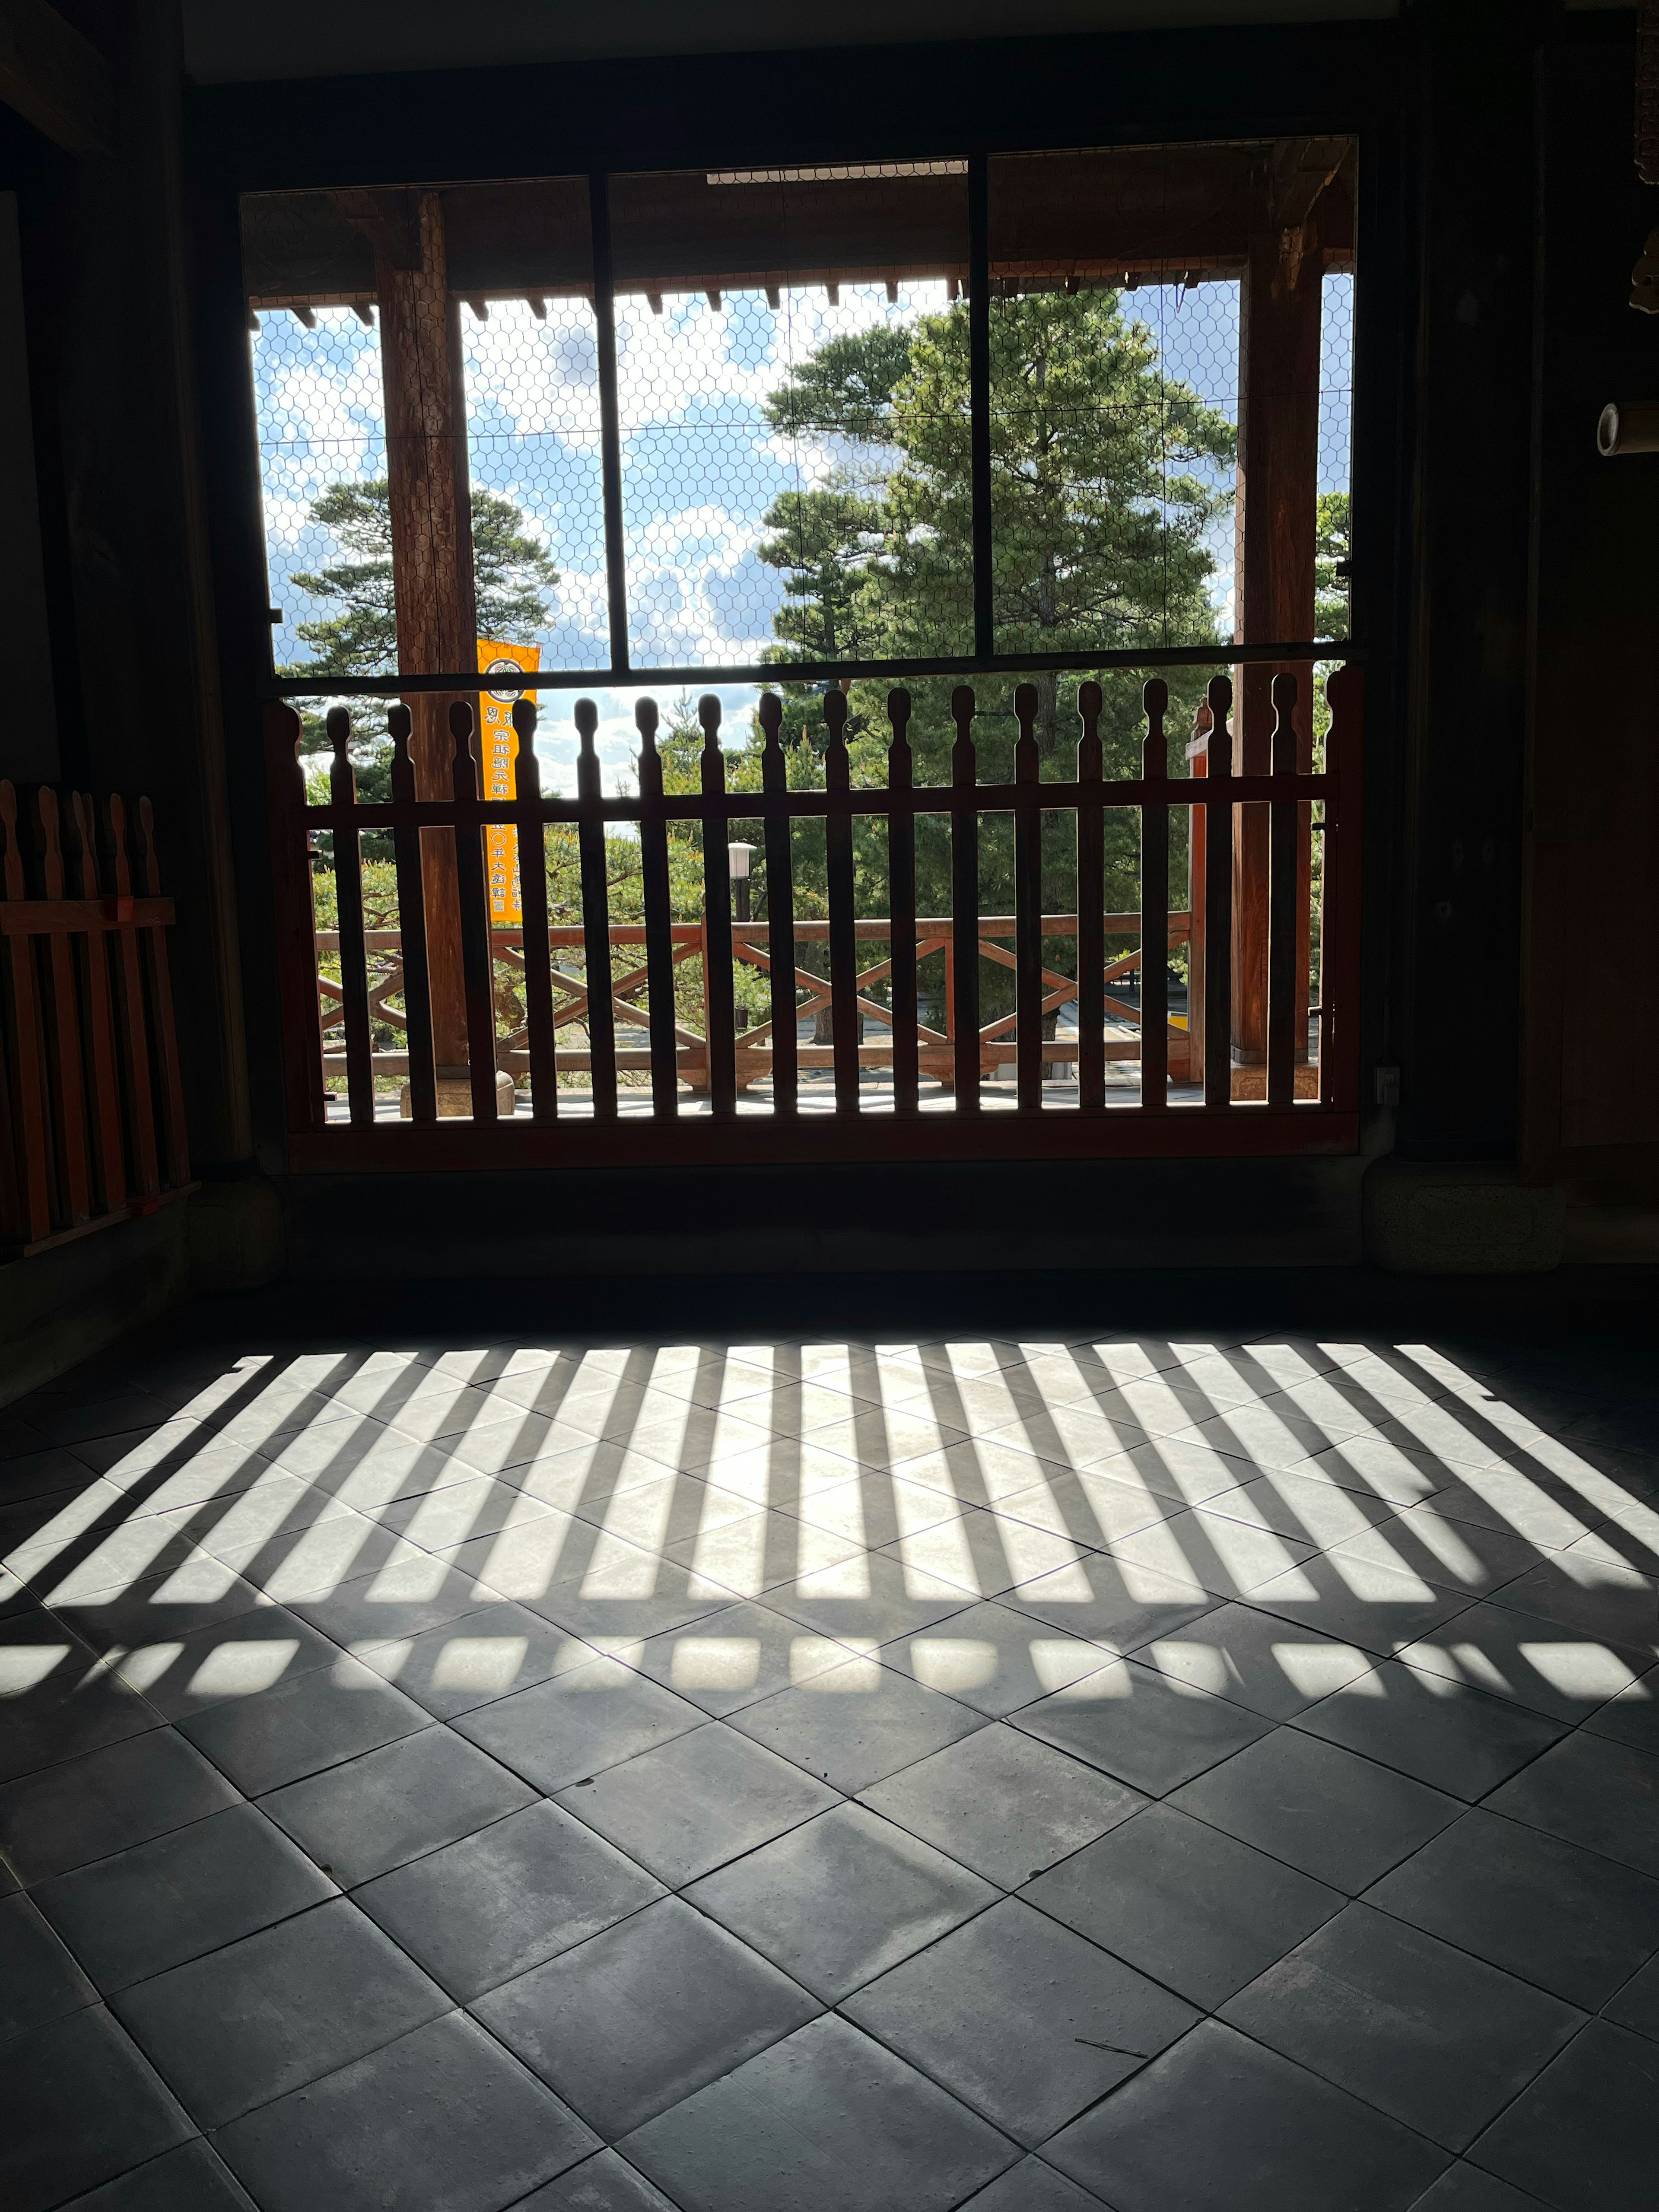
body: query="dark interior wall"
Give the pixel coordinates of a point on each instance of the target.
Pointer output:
(1591, 1096)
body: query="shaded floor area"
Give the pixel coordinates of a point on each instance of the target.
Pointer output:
(1088, 1759)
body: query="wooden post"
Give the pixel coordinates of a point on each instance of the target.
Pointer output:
(1275, 523)
(431, 544)
(1198, 757)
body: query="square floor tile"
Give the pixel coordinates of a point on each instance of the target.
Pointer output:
(1553, 1670)
(1220, 2124)
(56, 1707)
(1119, 1603)
(235, 1658)
(579, 1724)
(1002, 1804)
(275, 2010)
(1632, 1717)
(387, 1806)
(398, 1600)
(697, 1801)
(1031, 2186)
(442, 2117)
(1193, 1908)
(855, 1723)
(1592, 1791)
(1255, 1660)
(1570, 1920)
(869, 1599)
(604, 2184)
(301, 1726)
(1022, 2019)
(1215, 1552)
(1464, 2188)
(481, 1655)
(39, 1980)
(1146, 1729)
(191, 2178)
(837, 1901)
(1595, 1598)
(640, 2017)
(1449, 1555)
(1636, 2005)
(82, 2106)
(180, 1895)
(1341, 1818)
(994, 1658)
(985, 1552)
(87, 1808)
(1310, 1508)
(1441, 1732)
(735, 1657)
(1357, 1601)
(1429, 2035)
(824, 2117)
(1582, 2135)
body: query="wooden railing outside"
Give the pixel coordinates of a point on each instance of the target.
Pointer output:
(92, 1119)
(1294, 1101)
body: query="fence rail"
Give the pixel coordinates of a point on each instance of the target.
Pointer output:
(1247, 889)
(92, 1120)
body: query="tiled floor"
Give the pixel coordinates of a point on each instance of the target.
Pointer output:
(1181, 1775)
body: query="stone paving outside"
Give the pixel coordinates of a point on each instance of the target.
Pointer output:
(1178, 1775)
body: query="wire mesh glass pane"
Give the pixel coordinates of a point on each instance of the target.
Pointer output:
(792, 392)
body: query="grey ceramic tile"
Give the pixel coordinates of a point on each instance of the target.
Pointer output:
(736, 1657)
(825, 2117)
(1595, 1599)
(1120, 1605)
(839, 1900)
(634, 2020)
(857, 1722)
(1570, 1920)
(180, 1895)
(89, 1808)
(1254, 1660)
(1031, 2186)
(1636, 2005)
(1195, 1909)
(869, 1599)
(697, 1801)
(275, 2010)
(1592, 1791)
(1002, 1804)
(1429, 2035)
(1023, 2020)
(1550, 1669)
(1582, 2135)
(1632, 1717)
(301, 1726)
(1336, 1816)
(1150, 1731)
(232, 1659)
(193, 2178)
(82, 2106)
(604, 2184)
(485, 1653)
(579, 1724)
(994, 1658)
(500, 1901)
(1443, 1733)
(387, 1806)
(442, 2117)
(39, 1980)
(56, 1707)
(1376, 1606)
(1219, 1551)
(391, 1604)
(1220, 2124)
(1464, 2188)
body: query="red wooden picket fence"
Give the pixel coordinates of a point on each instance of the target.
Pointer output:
(92, 1119)
(1293, 1103)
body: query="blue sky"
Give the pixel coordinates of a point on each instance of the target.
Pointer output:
(701, 466)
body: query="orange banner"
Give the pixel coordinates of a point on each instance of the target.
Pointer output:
(499, 744)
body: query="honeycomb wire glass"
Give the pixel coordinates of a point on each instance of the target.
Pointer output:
(777, 333)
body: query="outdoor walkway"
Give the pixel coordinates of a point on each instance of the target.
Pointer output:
(1209, 1775)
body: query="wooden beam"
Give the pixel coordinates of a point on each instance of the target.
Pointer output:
(55, 79)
